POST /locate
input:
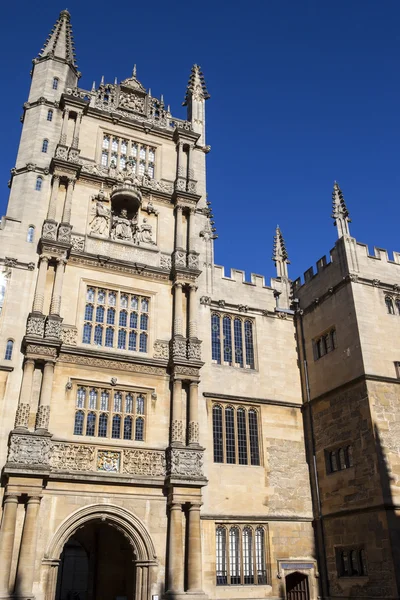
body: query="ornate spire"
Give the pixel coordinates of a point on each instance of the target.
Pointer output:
(133, 82)
(60, 42)
(196, 87)
(280, 255)
(340, 214)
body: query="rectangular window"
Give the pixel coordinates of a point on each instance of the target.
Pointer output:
(324, 344)
(351, 561)
(121, 154)
(110, 412)
(235, 435)
(232, 341)
(240, 553)
(115, 319)
(339, 459)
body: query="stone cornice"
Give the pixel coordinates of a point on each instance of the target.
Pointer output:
(14, 263)
(106, 263)
(254, 518)
(248, 400)
(243, 310)
(108, 360)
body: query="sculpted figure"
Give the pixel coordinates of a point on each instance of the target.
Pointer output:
(122, 227)
(100, 222)
(146, 233)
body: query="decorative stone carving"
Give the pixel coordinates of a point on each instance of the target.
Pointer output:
(165, 262)
(64, 233)
(109, 364)
(194, 349)
(78, 243)
(145, 233)
(206, 300)
(123, 228)
(161, 349)
(73, 154)
(72, 457)
(185, 463)
(69, 335)
(178, 347)
(47, 351)
(131, 102)
(10, 262)
(62, 152)
(193, 432)
(35, 325)
(179, 259)
(113, 381)
(53, 328)
(22, 415)
(109, 461)
(144, 462)
(177, 431)
(29, 450)
(192, 186)
(100, 224)
(150, 209)
(243, 308)
(49, 230)
(180, 184)
(43, 417)
(221, 303)
(189, 371)
(193, 260)
(376, 282)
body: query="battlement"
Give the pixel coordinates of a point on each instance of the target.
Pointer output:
(238, 276)
(379, 254)
(321, 264)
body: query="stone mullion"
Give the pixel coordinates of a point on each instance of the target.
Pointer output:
(7, 535)
(22, 415)
(38, 300)
(116, 325)
(253, 544)
(244, 344)
(43, 412)
(223, 434)
(51, 213)
(241, 555)
(228, 555)
(26, 563)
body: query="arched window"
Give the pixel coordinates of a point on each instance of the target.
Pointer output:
(140, 405)
(144, 320)
(88, 312)
(45, 145)
(39, 182)
(78, 426)
(109, 337)
(100, 314)
(143, 343)
(248, 558)
(389, 305)
(217, 434)
(242, 436)
(103, 420)
(92, 399)
(128, 428)
(123, 318)
(132, 340)
(90, 295)
(216, 338)
(227, 332)
(230, 435)
(128, 403)
(133, 320)
(234, 556)
(55, 83)
(50, 115)
(333, 461)
(237, 332)
(117, 402)
(91, 424)
(80, 398)
(122, 339)
(87, 333)
(253, 435)
(98, 335)
(116, 427)
(349, 452)
(139, 429)
(261, 565)
(110, 316)
(248, 341)
(104, 397)
(220, 553)
(9, 350)
(31, 234)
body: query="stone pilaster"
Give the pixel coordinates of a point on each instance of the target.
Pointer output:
(192, 311)
(57, 289)
(194, 564)
(43, 413)
(193, 428)
(66, 218)
(64, 127)
(27, 554)
(51, 214)
(24, 404)
(77, 127)
(38, 300)
(178, 310)
(176, 421)
(175, 550)
(178, 228)
(7, 535)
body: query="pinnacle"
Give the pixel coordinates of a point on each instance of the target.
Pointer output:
(279, 251)
(339, 207)
(60, 42)
(196, 86)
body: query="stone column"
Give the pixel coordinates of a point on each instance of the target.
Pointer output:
(190, 232)
(175, 554)
(193, 433)
(77, 127)
(176, 421)
(64, 127)
(24, 404)
(192, 311)
(57, 289)
(27, 553)
(178, 230)
(7, 534)
(179, 168)
(194, 574)
(178, 309)
(43, 413)
(51, 214)
(68, 201)
(38, 300)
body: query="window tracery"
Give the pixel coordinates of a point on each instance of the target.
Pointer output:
(120, 153)
(240, 555)
(236, 344)
(235, 435)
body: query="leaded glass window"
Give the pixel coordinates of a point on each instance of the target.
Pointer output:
(240, 555)
(261, 565)
(50, 115)
(9, 350)
(236, 435)
(220, 553)
(118, 413)
(119, 152)
(237, 328)
(227, 332)
(39, 182)
(236, 343)
(389, 305)
(248, 562)
(45, 145)
(248, 338)
(216, 338)
(120, 318)
(234, 555)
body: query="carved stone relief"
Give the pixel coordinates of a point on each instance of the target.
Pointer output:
(72, 457)
(165, 262)
(193, 432)
(29, 450)
(78, 243)
(194, 349)
(49, 230)
(35, 325)
(22, 415)
(177, 431)
(108, 460)
(144, 462)
(43, 417)
(185, 463)
(69, 335)
(161, 349)
(53, 328)
(178, 347)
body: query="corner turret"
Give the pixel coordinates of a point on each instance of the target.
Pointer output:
(340, 214)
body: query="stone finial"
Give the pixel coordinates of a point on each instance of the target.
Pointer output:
(60, 42)
(196, 88)
(280, 255)
(340, 214)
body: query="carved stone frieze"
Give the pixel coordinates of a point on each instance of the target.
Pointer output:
(206, 300)
(184, 370)
(22, 415)
(69, 335)
(177, 431)
(194, 349)
(105, 363)
(161, 349)
(38, 350)
(49, 230)
(178, 347)
(193, 260)
(72, 457)
(165, 261)
(64, 233)
(53, 328)
(185, 463)
(179, 259)
(193, 432)
(78, 242)
(35, 325)
(144, 462)
(43, 417)
(29, 450)
(142, 181)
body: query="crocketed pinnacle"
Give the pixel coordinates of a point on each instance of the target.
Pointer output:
(280, 255)
(196, 87)
(340, 214)
(60, 42)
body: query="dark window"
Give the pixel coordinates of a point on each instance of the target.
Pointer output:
(116, 427)
(139, 429)
(78, 427)
(31, 234)
(253, 433)
(339, 459)
(235, 435)
(324, 344)
(230, 435)
(45, 145)
(9, 350)
(103, 419)
(91, 424)
(55, 83)
(50, 115)
(351, 562)
(215, 339)
(217, 434)
(242, 437)
(389, 305)
(39, 182)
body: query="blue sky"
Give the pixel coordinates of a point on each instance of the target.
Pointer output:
(303, 92)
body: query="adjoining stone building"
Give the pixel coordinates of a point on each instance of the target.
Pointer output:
(151, 407)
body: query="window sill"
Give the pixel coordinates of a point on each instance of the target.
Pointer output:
(238, 369)
(256, 586)
(237, 465)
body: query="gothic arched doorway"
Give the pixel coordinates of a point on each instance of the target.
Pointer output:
(97, 563)
(297, 586)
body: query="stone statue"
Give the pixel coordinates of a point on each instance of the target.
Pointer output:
(146, 233)
(101, 220)
(122, 227)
